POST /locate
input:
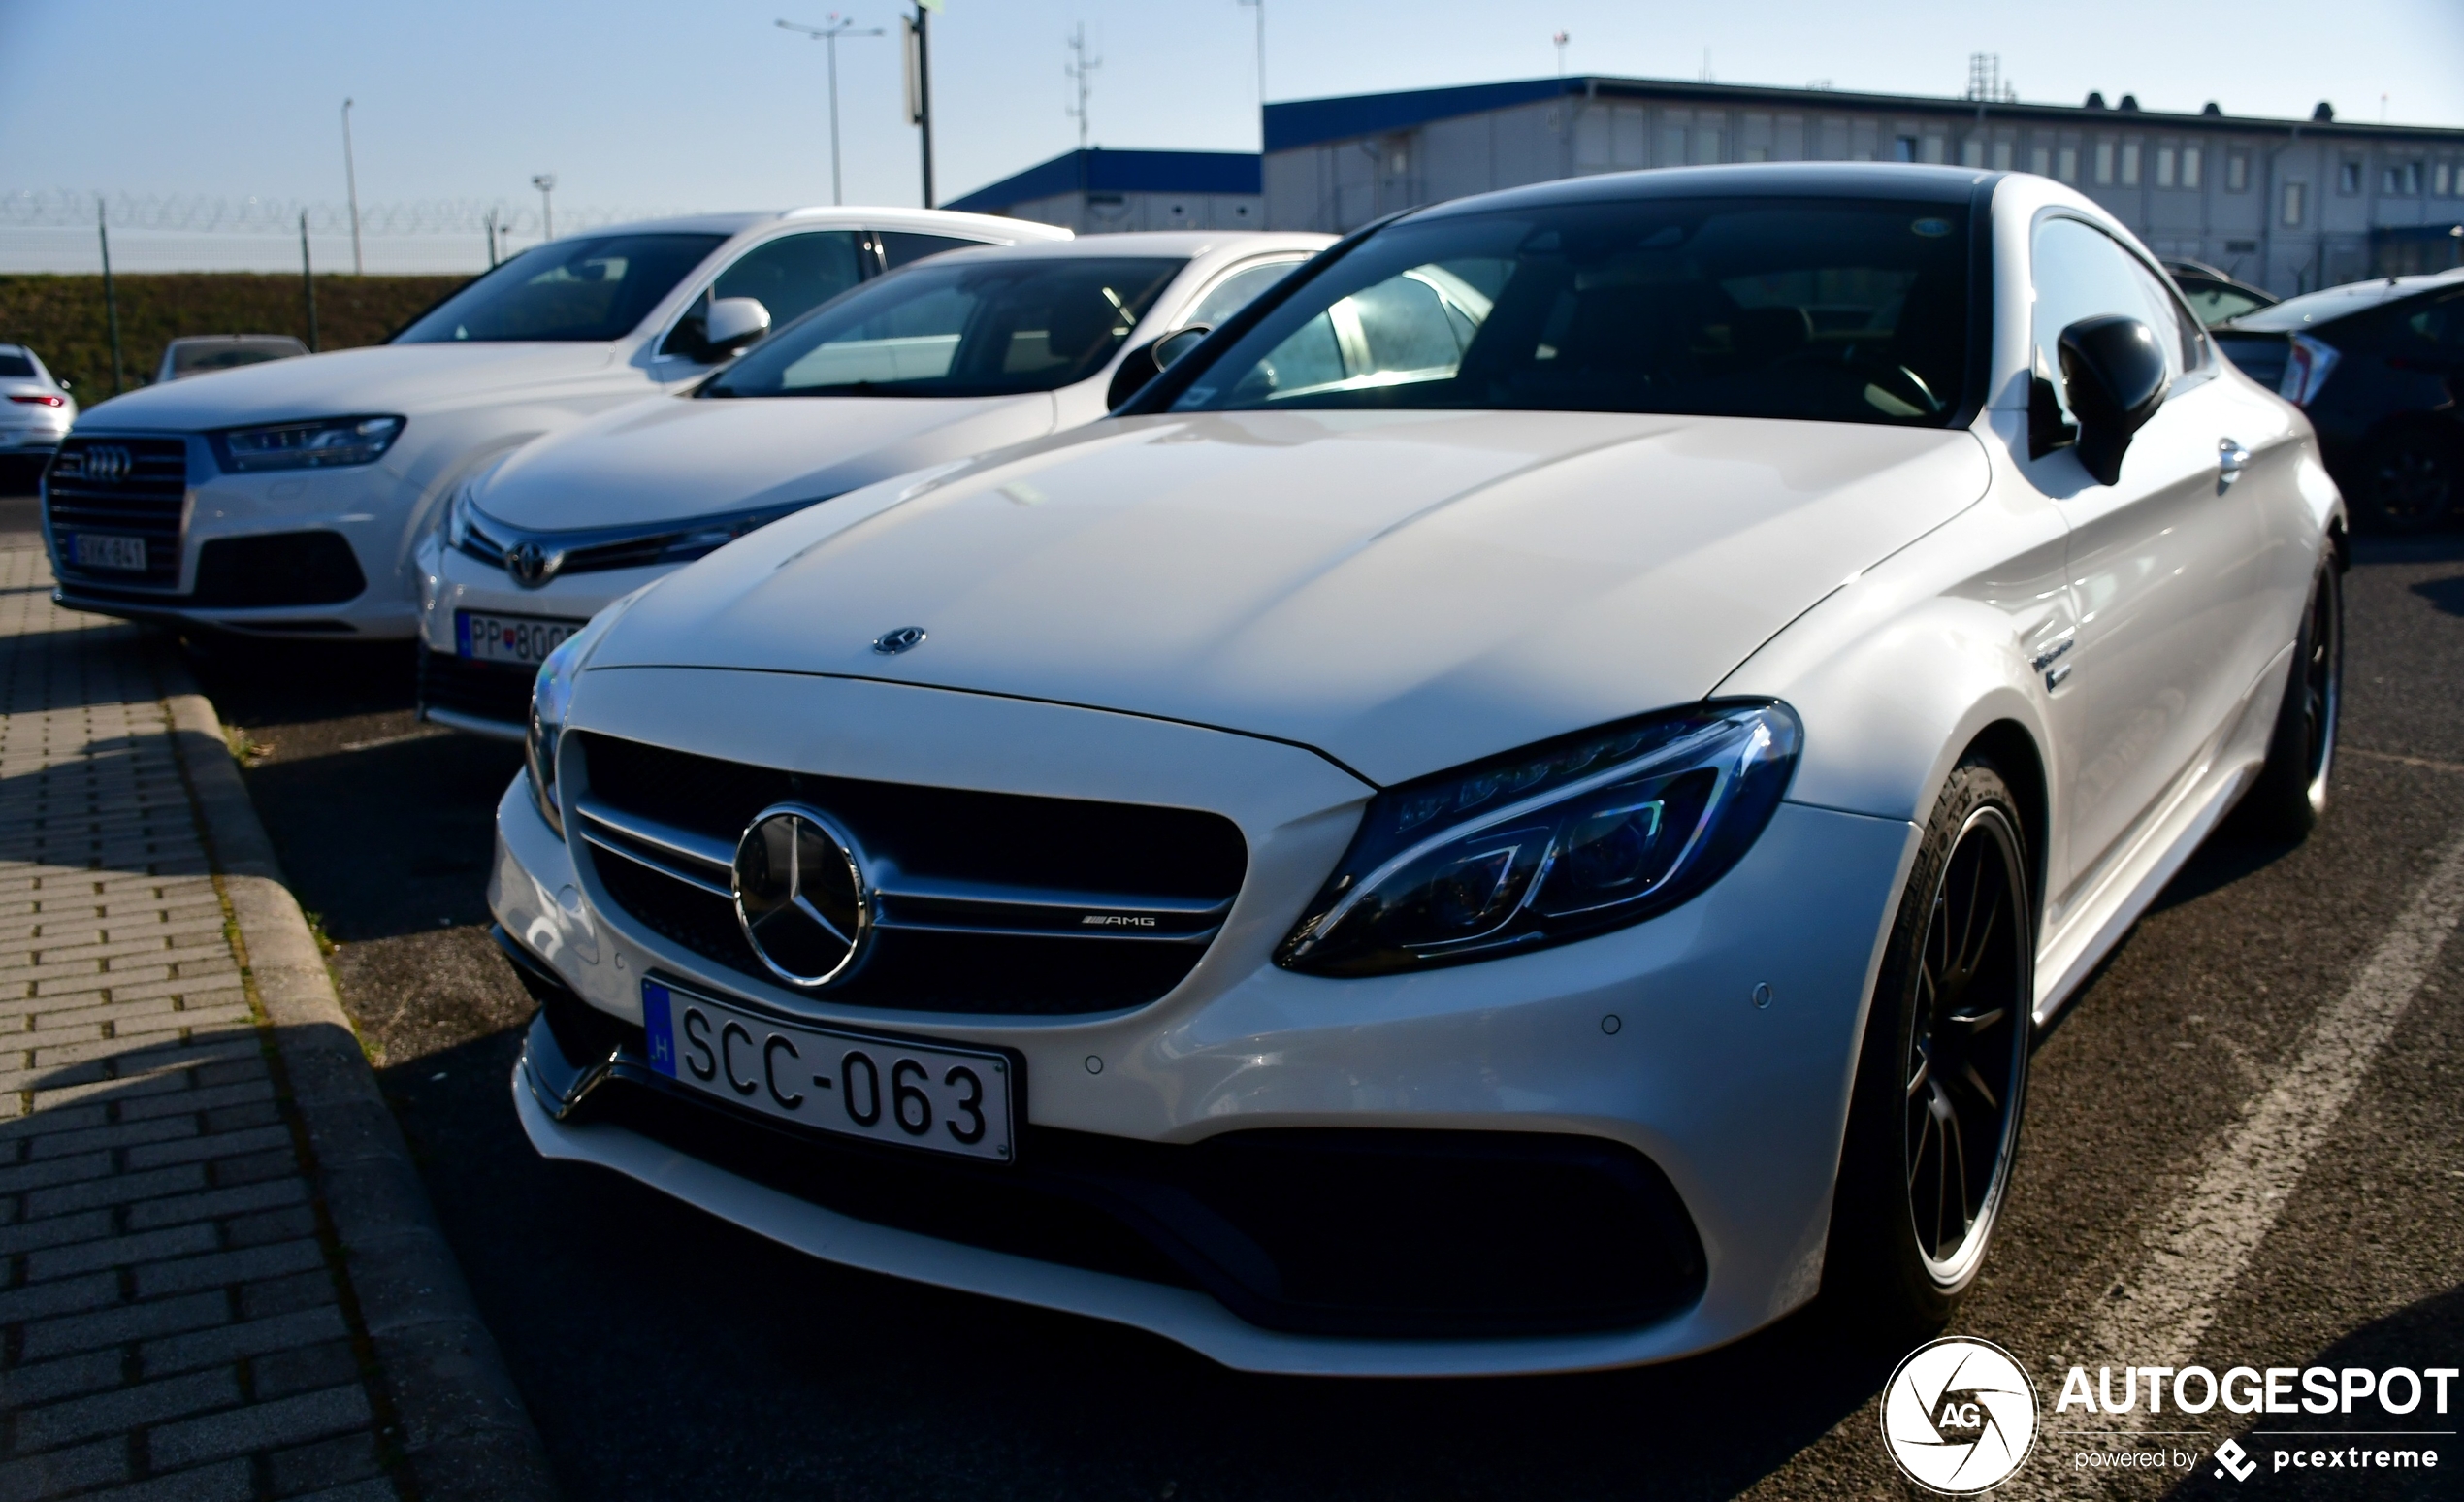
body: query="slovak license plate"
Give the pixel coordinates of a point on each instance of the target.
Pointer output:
(522, 640)
(947, 1099)
(100, 551)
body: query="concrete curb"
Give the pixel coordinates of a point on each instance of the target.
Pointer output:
(462, 1425)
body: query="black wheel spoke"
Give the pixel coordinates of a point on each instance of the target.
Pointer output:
(1969, 1029)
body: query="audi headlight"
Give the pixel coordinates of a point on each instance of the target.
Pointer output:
(551, 696)
(326, 444)
(1551, 843)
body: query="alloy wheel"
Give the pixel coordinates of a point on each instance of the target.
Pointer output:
(2323, 685)
(1966, 1059)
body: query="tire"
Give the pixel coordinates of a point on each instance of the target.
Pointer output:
(1943, 1070)
(2290, 794)
(2410, 481)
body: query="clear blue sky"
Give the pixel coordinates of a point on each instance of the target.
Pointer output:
(708, 105)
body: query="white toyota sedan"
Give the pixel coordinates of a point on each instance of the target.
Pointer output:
(978, 350)
(285, 498)
(1518, 809)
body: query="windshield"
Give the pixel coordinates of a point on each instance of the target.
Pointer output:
(565, 291)
(1838, 309)
(988, 327)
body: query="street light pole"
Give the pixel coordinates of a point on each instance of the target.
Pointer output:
(920, 83)
(837, 28)
(546, 183)
(351, 180)
(1259, 6)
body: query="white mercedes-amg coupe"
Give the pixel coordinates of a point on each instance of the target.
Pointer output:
(1517, 809)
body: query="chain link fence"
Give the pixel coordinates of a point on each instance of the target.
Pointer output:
(63, 230)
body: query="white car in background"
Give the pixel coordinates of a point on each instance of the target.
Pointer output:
(979, 349)
(37, 411)
(1519, 808)
(285, 498)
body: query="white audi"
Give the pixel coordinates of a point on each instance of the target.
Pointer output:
(980, 349)
(1519, 808)
(285, 498)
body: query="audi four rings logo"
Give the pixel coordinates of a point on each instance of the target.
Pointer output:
(1960, 1416)
(108, 464)
(800, 895)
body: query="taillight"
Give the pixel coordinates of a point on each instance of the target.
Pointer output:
(2307, 370)
(40, 401)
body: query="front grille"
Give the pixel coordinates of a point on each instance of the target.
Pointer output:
(1355, 1232)
(986, 898)
(92, 488)
(489, 691)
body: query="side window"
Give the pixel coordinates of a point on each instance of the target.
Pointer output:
(1412, 327)
(1236, 293)
(899, 248)
(2438, 327)
(2081, 273)
(791, 277)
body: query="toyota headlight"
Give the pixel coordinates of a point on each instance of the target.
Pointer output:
(551, 696)
(1551, 843)
(326, 444)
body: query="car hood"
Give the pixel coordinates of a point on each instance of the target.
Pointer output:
(1403, 592)
(402, 379)
(667, 457)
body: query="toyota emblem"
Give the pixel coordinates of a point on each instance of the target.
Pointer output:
(532, 565)
(800, 895)
(108, 464)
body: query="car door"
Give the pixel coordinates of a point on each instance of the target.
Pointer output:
(2165, 566)
(788, 275)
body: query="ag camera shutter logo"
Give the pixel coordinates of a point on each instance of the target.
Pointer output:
(1959, 1417)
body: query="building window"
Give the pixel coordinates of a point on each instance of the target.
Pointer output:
(2348, 178)
(2237, 172)
(2066, 164)
(2190, 167)
(2442, 178)
(2403, 180)
(2165, 165)
(2104, 163)
(2295, 194)
(1934, 148)
(2001, 157)
(2040, 161)
(1972, 152)
(1707, 141)
(2130, 164)
(1903, 149)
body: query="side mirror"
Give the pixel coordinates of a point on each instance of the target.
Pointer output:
(2113, 372)
(734, 322)
(1149, 360)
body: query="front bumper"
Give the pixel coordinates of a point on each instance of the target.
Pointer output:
(1647, 1039)
(278, 553)
(489, 699)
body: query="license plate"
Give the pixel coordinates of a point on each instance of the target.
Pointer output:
(947, 1099)
(97, 550)
(522, 640)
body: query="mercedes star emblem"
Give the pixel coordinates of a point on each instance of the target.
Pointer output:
(889, 643)
(800, 895)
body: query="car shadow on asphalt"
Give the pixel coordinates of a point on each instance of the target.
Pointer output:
(2433, 1327)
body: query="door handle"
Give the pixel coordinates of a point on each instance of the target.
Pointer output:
(2230, 459)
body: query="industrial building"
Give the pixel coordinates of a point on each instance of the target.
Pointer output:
(2289, 204)
(1094, 191)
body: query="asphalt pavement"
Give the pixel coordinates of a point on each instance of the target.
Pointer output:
(665, 1355)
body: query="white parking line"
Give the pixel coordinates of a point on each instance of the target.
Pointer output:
(2250, 1172)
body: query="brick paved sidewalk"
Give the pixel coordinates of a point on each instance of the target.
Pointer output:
(175, 1317)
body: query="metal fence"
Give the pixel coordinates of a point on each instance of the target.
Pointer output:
(63, 230)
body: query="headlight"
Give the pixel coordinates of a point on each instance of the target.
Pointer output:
(1555, 843)
(307, 445)
(551, 696)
